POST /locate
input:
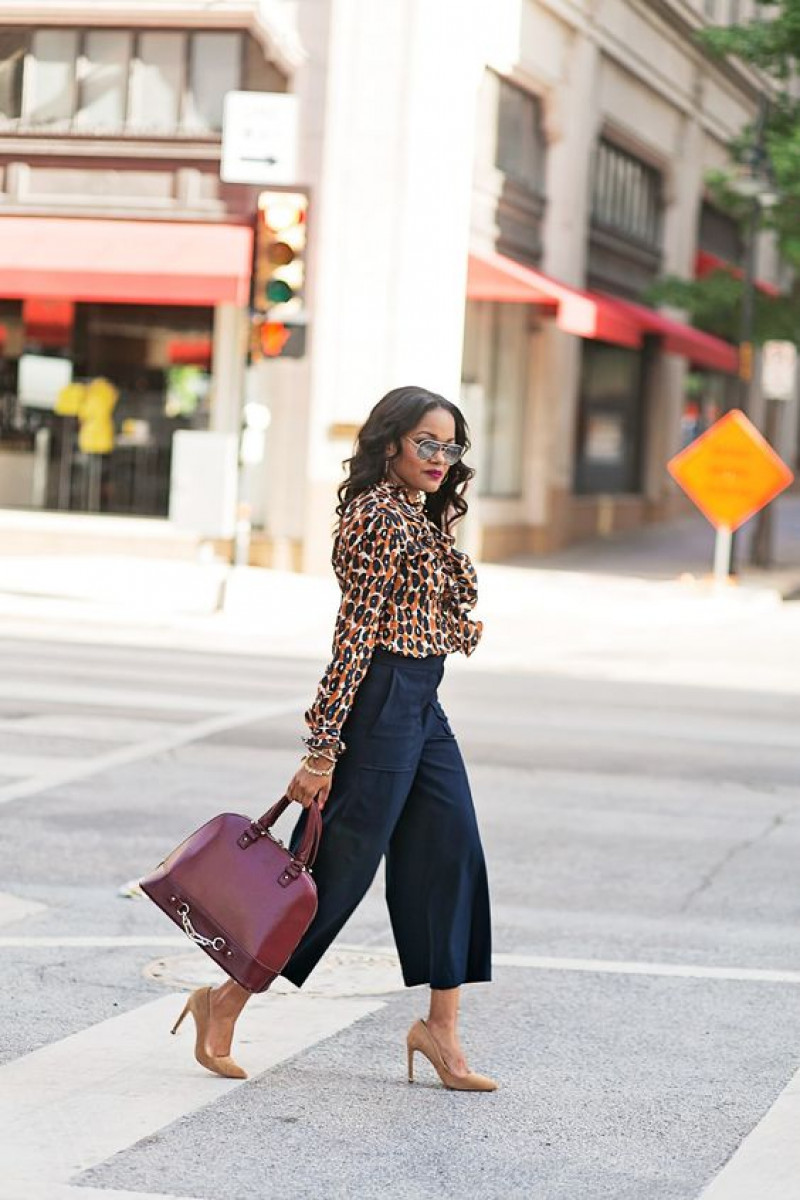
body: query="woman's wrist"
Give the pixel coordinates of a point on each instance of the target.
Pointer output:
(318, 764)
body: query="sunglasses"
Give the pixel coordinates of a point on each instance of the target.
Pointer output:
(428, 447)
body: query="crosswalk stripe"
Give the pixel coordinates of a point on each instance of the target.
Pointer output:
(73, 1104)
(767, 1163)
(149, 749)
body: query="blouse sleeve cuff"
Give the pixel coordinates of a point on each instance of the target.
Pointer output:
(335, 746)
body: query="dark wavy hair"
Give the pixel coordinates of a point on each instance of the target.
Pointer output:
(392, 417)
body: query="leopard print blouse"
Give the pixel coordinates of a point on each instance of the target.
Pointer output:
(404, 586)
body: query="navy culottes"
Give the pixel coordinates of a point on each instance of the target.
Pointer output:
(401, 790)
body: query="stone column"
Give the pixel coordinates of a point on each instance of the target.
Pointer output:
(390, 223)
(572, 122)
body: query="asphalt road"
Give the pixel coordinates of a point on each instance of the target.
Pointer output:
(642, 840)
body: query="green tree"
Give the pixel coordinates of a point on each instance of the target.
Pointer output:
(770, 43)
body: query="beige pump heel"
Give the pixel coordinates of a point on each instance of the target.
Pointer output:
(420, 1038)
(199, 1005)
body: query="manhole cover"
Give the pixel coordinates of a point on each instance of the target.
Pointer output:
(341, 973)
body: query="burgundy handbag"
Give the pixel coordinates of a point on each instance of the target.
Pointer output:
(240, 894)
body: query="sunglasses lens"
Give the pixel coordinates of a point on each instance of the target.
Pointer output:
(450, 452)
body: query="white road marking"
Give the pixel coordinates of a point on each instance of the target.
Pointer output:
(91, 940)
(124, 755)
(613, 967)
(529, 961)
(668, 970)
(73, 1104)
(47, 692)
(15, 908)
(42, 766)
(25, 1189)
(767, 1162)
(82, 726)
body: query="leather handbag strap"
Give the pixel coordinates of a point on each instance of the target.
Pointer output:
(309, 844)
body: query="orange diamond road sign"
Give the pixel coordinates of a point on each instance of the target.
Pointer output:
(730, 471)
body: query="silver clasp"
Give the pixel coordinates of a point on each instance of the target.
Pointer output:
(217, 943)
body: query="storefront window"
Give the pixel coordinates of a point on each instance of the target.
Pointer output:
(88, 411)
(505, 401)
(609, 420)
(707, 395)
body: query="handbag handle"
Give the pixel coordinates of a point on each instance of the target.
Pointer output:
(309, 844)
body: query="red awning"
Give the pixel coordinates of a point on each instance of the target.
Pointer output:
(591, 315)
(700, 348)
(125, 262)
(495, 277)
(706, 263)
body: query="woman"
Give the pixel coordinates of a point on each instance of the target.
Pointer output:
(382, 763)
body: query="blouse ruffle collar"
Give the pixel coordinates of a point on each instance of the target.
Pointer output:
(399, 493)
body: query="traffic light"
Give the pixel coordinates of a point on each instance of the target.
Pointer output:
(279, 272)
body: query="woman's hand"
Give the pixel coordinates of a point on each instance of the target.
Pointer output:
(305, 787)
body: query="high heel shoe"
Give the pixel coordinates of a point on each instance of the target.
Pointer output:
(199, 1005)
(420, 1038)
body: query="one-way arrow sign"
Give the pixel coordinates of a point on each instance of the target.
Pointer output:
(259, 138)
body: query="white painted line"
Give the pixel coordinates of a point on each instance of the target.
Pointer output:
(15, 908)
(80, 725)
(768, 1161)
(46, 692)
(23, 766)
(528, 961)
(74, 1104)
(612, 967)
(26, 1189)
(158, 745)
(96, 941)
(666, 970)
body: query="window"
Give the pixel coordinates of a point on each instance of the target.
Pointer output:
(104, 83)
(609, 422)
(158, 81)
(50, 79)
(521, 146)
(504, 406)
(97, 80)
(626, 195)
(215, 66)
(13, 46)
(719, 234)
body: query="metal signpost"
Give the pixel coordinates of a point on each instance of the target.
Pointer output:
(730, 472)
(779, 386)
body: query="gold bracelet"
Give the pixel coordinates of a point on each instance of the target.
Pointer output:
(313, 771)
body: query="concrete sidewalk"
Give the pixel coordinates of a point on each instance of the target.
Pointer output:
(676, 549)
(153, 588)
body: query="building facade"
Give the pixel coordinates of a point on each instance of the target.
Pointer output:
(492, 190)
